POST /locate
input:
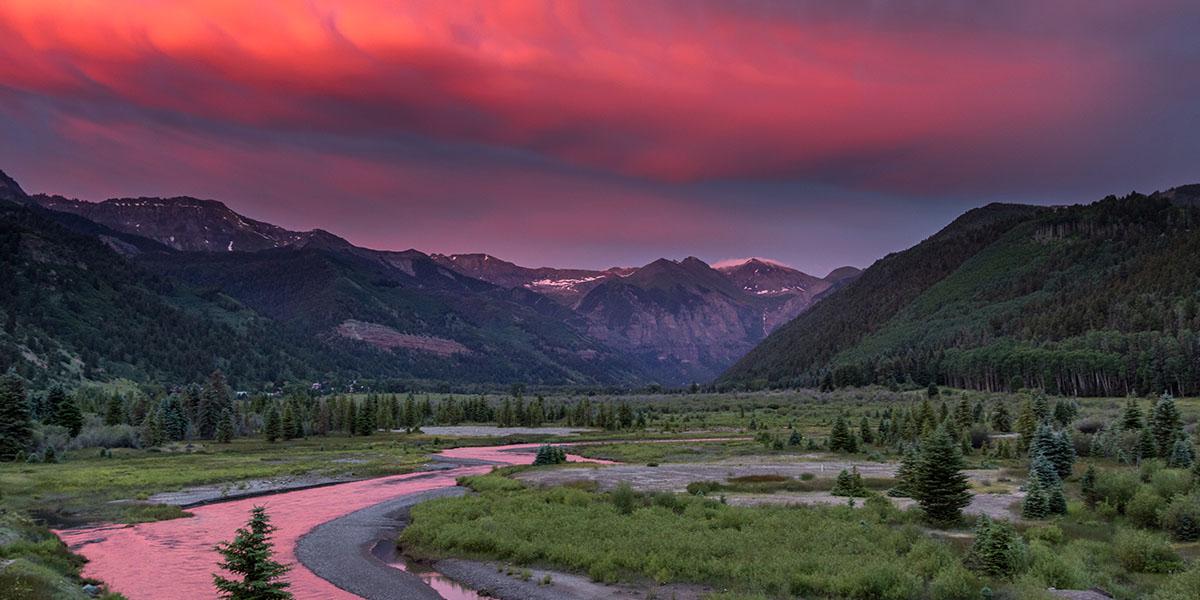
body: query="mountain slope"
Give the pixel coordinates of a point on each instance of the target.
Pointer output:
(183, 223)
(1096, 299)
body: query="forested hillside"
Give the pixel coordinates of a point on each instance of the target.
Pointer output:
(1090, 300)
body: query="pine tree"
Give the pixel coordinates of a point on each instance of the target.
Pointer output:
(932, 391)
(849, 483)
(1145, 445)
(840, 438)
(1065, 411)
(1027, 423)
(64, 411)
(365, 424)
(287, 423)
(1166, 425)
(1132, 418)
(906, 474)
(864, 431)
(996, 551)
(1036, 504)
(1182, 454)
(114, 412)
(962, 414)
(248, 556)
(1087, 487)
(215, 398)
(1001, 420)
(16, 427)
(153, 433)
(225, 427)
(1041, 406)
(795, 438)
(272, 424)
(1044, 476)
(940, 487)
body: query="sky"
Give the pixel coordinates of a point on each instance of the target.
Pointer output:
(594, 134)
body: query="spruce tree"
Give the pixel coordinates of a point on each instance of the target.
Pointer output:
(16, 427)
(1036, 504)
(64, 411)
(850, 484)
(287, 422)
(272, 425)
(225, 427)
(1087, 487)
(962, 414)
(795, 438)
(940, 487)
(215, 398)
(996, 551)
(1166, 425)
(1145, 448)
(1001, 420)
(864, 431)
(248, 557)
(1027, 423)
(906, 474)
(1041, 406)
(114, 410)
(1132, 417)
(1182, 454)
(840, 438)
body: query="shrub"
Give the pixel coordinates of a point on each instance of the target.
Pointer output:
(1052, 534)
(107, 436)
(1182, 518)
(1169, 483)
(997, 551)
(624, 498)
(1055, 569)
(955, 583)
(1144, 552)
(1144, 508)
(1117, 488)
(490, 483)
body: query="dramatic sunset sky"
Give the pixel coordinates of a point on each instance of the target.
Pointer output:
(603, 133)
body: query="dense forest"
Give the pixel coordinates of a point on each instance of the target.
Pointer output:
(1099, 299)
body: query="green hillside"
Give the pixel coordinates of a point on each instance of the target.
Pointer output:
(1092, 300)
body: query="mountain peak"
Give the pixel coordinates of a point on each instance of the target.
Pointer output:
(10, 190)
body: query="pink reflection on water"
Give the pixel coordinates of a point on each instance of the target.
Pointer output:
(175, 559)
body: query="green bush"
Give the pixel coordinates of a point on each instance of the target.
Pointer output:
(1143, 509)
(1145, 552)
(1055, 569)
(1169, 483)
(490, 483)
(1117, 488)
(1051, 534)
(1182, 518)
(955, 583)
(624, 498)
(1180, 587)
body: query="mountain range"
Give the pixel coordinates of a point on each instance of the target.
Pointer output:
(355, 313)
(1097, 299)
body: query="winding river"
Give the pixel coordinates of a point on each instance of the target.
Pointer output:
(176, 559)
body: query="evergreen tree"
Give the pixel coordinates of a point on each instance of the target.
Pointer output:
(288, 423)
(932, 391)
(1065, 411)
(153, 433)
(864, 431)
(114, 411)
(962, 414)
(1041, 406)
(225, 427)
(1132, 417)
(795, 438)
(1027, 423)
(16, 427)
(840, 438)
(1182, 454)
(365, 425)
(940, 487)
(272, 424)
(996, 551)
(248, 557)
(906, 474)
(1145, 445)
(215, 398)
(1166, 425)
(1001, 420)
(1036, 504)
(1087, 487)
(64, 411)
(850, 484)
(1044, 476)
